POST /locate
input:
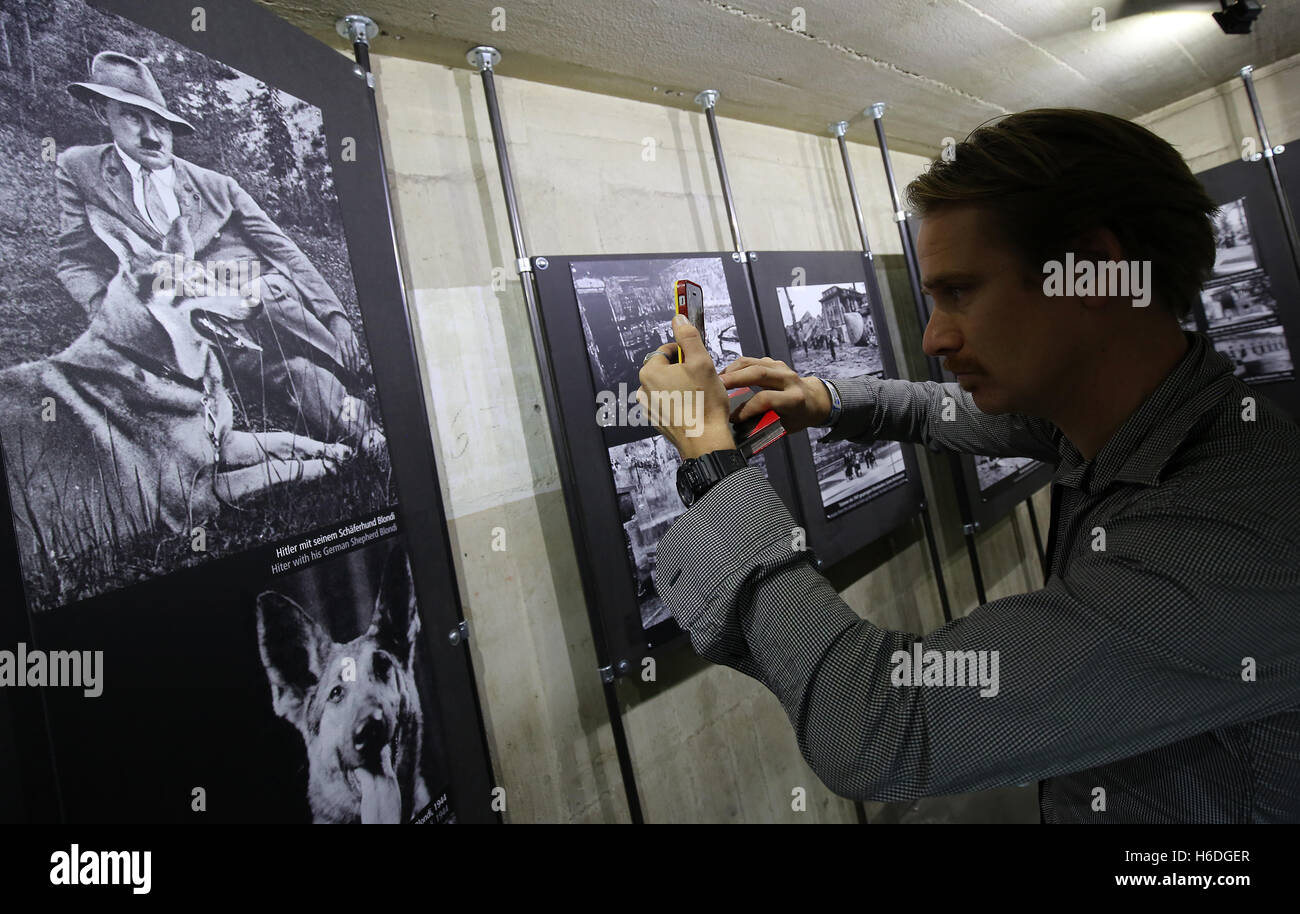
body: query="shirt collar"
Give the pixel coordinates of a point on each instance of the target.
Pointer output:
(1143, 444)
(164, 175)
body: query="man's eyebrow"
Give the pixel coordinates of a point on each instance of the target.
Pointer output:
(946, 279)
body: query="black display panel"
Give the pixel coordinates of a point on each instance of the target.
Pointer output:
(602, 314)
(225, 517)
(1248, 307)
(822, 315)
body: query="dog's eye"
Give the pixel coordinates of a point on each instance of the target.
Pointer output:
(336, 694)
(381, 664)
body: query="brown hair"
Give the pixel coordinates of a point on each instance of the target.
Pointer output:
(1051, 173)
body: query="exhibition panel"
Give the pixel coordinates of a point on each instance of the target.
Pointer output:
(1248, 306)
(603, 314)
(222, 486)
(822, 315)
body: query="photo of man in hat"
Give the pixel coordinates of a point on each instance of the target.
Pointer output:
(310, 353)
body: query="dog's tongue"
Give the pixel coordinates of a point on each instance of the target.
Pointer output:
(381, 795)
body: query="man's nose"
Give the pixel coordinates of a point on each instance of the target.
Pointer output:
(941, 336)
(148, 133)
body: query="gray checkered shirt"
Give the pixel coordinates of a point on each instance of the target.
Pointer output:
(1156, 679)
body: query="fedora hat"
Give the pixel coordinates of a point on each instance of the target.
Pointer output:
(127, 80)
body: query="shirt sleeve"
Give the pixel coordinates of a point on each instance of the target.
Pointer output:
(940, 416)
(286, 256)
(1123, 655)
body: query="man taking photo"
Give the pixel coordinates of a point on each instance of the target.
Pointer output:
(1156, 675)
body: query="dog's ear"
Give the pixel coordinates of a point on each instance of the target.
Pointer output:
(290, 643)
(396, 621)
(124, 243)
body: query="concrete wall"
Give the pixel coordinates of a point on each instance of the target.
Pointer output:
(707, 743)
(1208, 128)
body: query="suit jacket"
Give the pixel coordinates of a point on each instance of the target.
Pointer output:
(224, 221)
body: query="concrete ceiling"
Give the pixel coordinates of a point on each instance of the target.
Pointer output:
(942, 66)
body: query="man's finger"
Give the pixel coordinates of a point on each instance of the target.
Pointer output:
(761, 402)
(742, 362)
(753, 376)
(689, 339)
(651, 367)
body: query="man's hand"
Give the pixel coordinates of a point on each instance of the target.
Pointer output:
(686, 402)
(800, 402)
(350, 348)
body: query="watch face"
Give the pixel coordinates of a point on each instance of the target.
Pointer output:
(684, 490)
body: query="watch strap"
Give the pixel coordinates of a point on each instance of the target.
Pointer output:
(837, 405)
(703, 472)
(726, 462)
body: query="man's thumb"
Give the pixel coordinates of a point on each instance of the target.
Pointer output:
(689, 339)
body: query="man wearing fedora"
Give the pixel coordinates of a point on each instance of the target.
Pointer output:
(309, 349)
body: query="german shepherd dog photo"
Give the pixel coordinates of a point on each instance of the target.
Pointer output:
(356, 704)
(128, 430)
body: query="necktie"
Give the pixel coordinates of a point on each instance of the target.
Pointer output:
(153, 204)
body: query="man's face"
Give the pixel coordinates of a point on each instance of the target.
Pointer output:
(1008, 343)
(141, 134)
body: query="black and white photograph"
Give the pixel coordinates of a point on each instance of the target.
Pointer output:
(831, 333)
(1240, 302)
(346, 668)
(1234, 246)
(184, 371)
(849, 473)
(627, 309)
(1259, 356)
(994, 470)
(645, 479)
(830, 329)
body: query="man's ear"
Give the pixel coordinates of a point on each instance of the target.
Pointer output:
(126, 244)
(396, 622)
(1097, 244)
(292, 648)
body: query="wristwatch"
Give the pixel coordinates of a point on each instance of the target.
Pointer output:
(836, 406)
(695, 476)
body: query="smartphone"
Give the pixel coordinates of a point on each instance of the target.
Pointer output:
(688, 298)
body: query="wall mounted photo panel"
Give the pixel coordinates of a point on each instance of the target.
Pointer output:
(1248, 306)
(602, 314)
(218, 467)
(822, 315)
